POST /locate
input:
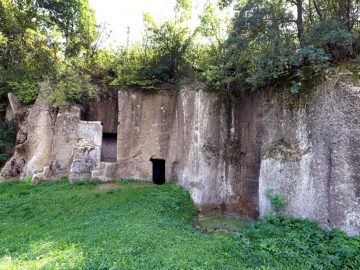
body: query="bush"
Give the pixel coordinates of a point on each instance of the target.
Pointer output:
(164, 56)
(70, 84)
(259, 46)
(264, 46)
(169, 43)
(302, 244)
(129, 68)
(277, 201)
(26, 90)
(270, 61)
(333, 37)
(312, 56)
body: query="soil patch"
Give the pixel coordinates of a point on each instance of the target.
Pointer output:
(108, 186)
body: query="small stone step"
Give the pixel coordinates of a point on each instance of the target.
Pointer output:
(105, 172)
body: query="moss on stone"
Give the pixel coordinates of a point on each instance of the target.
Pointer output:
(209, 150)
(349, 73)
(233, 150)
(285, 152)
(308, 84)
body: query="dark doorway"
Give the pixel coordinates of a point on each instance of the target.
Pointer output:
(158, 171)
(109, 146)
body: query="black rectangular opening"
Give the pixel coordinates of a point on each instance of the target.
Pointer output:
(158, 171)
(109, 147)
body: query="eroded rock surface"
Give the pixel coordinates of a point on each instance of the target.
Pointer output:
(226, 151)
(33, 143)
(316, 164)
(51, 144)
(191, 131)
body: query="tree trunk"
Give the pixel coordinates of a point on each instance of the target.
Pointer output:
(300, 21)
(344, 13)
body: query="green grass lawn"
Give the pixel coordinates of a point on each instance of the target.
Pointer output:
(142, 226)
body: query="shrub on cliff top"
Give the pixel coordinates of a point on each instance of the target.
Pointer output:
(69, 84)
(266, 43)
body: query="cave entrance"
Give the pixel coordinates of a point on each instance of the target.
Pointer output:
(109, 147)
(158, 171)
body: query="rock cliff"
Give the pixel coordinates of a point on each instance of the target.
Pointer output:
(226, 151)
(52, 144)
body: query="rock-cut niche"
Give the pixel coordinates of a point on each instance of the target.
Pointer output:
(105, 111)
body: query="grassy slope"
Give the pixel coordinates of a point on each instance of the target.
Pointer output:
(59, 226)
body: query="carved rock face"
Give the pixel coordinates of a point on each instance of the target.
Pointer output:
(226, 152)
(34, 140)
(317, 169)
(49, 144)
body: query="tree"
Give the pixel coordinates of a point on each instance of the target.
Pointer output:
(282, 38)
(261, 42)
(27, 55)
(163, 56)
(299, 20)
(346, 11)
(169, 43)
(76, 21)
(35, 35)
(211, 61)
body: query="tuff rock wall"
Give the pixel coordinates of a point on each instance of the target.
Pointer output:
(226, 151)
(204, 148)
(310, 153)
(52, 144)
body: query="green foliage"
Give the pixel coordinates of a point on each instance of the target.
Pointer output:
(216, 76)
(27, 180)
(269, 62)
(102, 66)
(26, 90)
(70, 84)
(168, 47)
(347, 12)
(25, 56)
(129, 69)
(315, 58)
(332, 37)
(299, 243)
(264, 46)
(277, 201)
(295, 87)
(210, 59)
(35, 36)
(260, 47)
(164, 56)
(75, 20)
(8, 131)
(265, 43)
(143, 226)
